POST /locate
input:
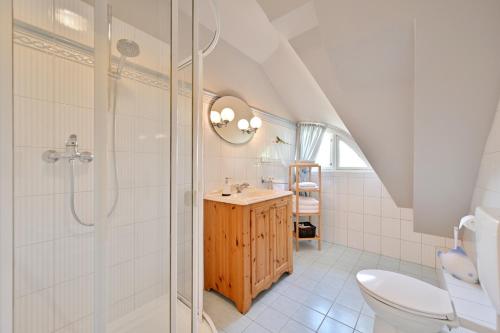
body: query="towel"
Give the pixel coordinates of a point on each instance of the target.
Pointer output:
(306, 211)
(306, 185)
(305, 201)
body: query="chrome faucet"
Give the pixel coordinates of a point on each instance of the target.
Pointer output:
(71, 153)
(241, 187)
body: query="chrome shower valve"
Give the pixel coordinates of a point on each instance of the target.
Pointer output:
(71, 153)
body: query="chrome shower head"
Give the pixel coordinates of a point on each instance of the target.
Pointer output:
(128, 49)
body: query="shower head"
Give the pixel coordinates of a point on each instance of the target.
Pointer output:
(128, 49)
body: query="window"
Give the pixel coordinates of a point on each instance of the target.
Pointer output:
(325, 152)
(339, 152)
(348, 158)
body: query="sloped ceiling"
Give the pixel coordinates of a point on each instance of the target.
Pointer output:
(417, 84)
(370, 75)
(246, 27)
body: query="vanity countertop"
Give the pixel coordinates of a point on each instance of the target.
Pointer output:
(247, 197)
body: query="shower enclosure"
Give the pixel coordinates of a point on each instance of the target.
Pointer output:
(100, 221)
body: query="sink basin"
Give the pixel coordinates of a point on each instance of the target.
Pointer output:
(247, 196)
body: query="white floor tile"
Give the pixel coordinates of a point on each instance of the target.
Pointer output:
(343, 314)
(332, 326)
(286, 305)
(294, 327)
(298, 303)
(272, 320)
(364, 324)
(308, 317)
(318, 303)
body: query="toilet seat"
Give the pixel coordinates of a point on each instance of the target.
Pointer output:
(406, 293)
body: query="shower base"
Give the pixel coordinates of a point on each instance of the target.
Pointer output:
(151, 318)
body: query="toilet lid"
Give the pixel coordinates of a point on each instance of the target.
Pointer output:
(406, 293)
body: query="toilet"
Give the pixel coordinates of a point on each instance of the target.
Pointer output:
(403, 304)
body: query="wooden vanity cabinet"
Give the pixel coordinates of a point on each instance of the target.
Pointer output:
(247, 248)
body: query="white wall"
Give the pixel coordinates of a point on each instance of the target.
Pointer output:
(245, 162)
(227, 71)
(359, 212)
(487, 190)
(416, 85)
(53, 98)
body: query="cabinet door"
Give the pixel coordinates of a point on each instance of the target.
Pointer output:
(281, 233)
(260, 230)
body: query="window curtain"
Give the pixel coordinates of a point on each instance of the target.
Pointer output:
(309, 136)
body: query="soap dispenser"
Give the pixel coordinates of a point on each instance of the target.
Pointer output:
(226, 190)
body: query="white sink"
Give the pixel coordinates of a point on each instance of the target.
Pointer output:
(247, 196)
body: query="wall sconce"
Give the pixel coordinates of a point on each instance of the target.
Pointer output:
(223, 118)
(252, 127)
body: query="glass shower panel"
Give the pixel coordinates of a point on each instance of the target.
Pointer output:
(139, 121)
(185, 155)
(53, 131)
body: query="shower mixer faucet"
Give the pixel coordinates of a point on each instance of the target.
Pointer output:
(71, 152)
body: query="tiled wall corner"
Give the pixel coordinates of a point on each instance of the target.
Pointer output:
(358, 212)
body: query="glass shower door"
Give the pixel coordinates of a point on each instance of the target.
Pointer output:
(53, 113)
(138, 269)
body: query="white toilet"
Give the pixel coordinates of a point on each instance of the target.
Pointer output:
(403, 304)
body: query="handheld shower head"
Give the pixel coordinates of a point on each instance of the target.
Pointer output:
(128, 49)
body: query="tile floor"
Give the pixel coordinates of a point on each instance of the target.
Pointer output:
(320, 296)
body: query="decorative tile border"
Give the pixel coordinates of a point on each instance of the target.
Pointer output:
(47, 42)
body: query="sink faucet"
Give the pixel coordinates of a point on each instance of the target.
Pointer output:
(241, 187)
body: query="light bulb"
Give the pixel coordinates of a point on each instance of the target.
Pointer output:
(215, 117)
(255, 122)
(243, 124)
(227, 114)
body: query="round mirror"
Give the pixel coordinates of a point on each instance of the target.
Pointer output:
(225, 115)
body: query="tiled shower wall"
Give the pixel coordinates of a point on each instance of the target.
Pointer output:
(249, 162)
(53, 254)
(358, 212)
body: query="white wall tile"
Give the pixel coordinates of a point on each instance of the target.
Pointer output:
(34, 123)
(34, 313)
(408, 234)
(74, 19)
(355, 239)
(390, 247)
(73, 300)
(74, 257)
(391, 227)
(411, 251)
(372, 224)
(356, 204)
(33, 268)
(356, 186)
(34, 12)
(122, 244)
(121, 281)
(33, 73)
(428, 255)
(372, 206)
(32, 175)
(355, 221)
(373, 187)
(372, 243)
(389, 209)
(34, 216)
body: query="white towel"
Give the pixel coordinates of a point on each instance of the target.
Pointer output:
(305, 201)
(306, 211)
(306, 185)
